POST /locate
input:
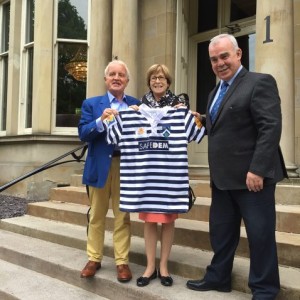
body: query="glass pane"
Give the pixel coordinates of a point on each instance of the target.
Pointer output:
(206, 79)
(241, 9)
(247, 44)
(28, 116)
(30, 21)
(5, 27)
(71, 83)
(72, 19)
(207, 15)
(3, 101)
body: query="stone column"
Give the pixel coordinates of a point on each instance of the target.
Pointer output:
(13, 80)
(43, 67)
(99, 51)
(125, 47)
(275, 55)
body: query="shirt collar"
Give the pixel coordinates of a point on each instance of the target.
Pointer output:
(234, 76)
(111, 97)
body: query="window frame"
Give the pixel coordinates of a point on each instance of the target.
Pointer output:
(4, 60)
(24, 72)
(55, 129)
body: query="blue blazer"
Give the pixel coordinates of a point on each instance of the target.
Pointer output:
(99, 154)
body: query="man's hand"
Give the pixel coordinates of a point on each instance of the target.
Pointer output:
(254, 182)
(107, 112)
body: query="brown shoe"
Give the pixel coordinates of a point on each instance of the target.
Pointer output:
(90, 269)
(124, 273)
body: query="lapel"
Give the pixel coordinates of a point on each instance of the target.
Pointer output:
(130, 101)
(102, 103)
(228, 94)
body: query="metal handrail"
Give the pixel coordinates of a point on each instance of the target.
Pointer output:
(48, 165)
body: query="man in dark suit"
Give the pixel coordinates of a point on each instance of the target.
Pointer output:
(245, 163)
(102, 172)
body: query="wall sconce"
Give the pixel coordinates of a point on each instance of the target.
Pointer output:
(77, 67)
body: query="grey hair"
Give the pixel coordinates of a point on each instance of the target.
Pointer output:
(116, 61)
(231, 38)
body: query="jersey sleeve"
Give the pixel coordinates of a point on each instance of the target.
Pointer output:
(194, 129)
(113, 127)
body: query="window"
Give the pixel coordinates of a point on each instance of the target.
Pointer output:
(236, 17)
(4, 46)
(207, 15)
(241, 9)
(71, 69)
(27, 64)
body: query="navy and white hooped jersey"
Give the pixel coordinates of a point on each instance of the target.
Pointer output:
(154, 163)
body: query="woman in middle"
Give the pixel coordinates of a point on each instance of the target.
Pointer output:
(159, 81)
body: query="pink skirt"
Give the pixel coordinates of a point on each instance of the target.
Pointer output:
(158, 218)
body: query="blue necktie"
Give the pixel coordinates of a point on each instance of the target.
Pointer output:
(218, 102)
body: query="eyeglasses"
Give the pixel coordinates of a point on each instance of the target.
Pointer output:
(160, 78)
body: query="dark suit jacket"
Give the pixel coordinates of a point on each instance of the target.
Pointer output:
(246, 133)
(99, 155)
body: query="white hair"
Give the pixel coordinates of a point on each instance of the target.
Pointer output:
(231, 38)
(116, 61)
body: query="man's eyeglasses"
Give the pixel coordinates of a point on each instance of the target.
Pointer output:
(160, 78)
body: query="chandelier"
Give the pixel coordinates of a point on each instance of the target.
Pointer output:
(77, 67)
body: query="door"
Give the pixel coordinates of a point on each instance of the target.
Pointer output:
(206, 20)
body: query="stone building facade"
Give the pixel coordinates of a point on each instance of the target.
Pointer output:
(53, 54)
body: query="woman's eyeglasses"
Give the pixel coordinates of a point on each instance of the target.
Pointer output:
(160, 78)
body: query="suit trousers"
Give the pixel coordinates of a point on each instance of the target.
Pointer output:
(257, 210)
(99, 201)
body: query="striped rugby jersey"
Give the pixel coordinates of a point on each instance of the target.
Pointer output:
(154, 162)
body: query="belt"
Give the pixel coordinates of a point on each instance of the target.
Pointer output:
(116, 153)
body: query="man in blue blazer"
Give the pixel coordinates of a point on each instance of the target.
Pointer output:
(102, 172)
(245, 164)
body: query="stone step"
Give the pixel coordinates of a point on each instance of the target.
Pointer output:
(76, 180)
(58, 248)
(23, 283)
(188, 232)
(286, 194)
(64, 263)
(70, 194)
(288, 216)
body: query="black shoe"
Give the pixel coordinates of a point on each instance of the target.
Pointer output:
(165, 280)
(203, 285)
(143, 281)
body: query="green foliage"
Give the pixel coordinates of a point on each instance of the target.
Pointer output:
(70, 24)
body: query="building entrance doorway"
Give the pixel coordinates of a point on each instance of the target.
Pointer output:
(201, 21)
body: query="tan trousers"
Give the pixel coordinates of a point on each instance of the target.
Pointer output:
(99, 200)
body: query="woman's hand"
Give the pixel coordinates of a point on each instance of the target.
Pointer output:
(196, 114)
(134, 107)
(179, 105)
(197, 118)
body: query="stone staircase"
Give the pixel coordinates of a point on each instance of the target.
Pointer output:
(44, 251)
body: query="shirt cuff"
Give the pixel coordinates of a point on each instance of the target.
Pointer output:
(99, 124)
